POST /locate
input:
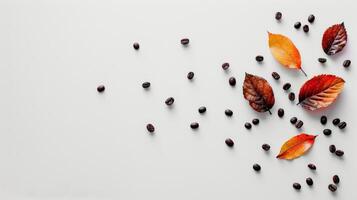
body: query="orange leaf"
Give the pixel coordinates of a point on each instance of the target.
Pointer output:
(320, 91)
(296, 146)
(284, 51)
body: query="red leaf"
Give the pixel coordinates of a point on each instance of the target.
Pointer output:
(334, 39)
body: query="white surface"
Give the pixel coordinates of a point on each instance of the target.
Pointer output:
(60, 139)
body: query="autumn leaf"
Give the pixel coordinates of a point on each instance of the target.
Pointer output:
(296, 146)
(284, 51)
(334, 39)
(320, 91)
(258, 92)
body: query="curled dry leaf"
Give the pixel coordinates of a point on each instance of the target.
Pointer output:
(320, 91)
(284, 51)
(296, 146)
(334, 39)
(258, 92)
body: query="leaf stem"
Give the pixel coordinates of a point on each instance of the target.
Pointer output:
(303, 72)
(269, 111)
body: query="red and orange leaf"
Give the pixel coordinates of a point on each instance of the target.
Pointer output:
(320, 91)
(296, 146)
(334, 39)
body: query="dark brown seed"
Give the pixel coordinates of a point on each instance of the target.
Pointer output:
(194, 125)
(332, 187)
(311, 166)
(275, 75)
(297, 25)
(293, 120)
(296, 186)
(327, 132)
(299, 124)
(278, 15)
(247, 125)
(346, 63)
(342, 125)
(202, 109)
(185, 41)
(136, 45)
(280, 112)
(336, 179)
(225, 66)
(336, 121)
(255, 121)
(229, 142)
(259, 58)
(146, 85)
(169, 101)
(332, 148)
(266, 147)
(150, 128)
(101, 88)
(286, 86)
(228, 112)
(306, 28)
(309, 181)
(256, 167)
(339, 153)
(311, 18)
(323, 119)
(190, 75)
(232, 81)
(292, 96)
(322, 60)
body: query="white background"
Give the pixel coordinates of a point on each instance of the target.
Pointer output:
(60, 139)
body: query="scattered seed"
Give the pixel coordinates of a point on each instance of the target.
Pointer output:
(259, 58)
(309, 181)
(190, 75)
(228, 112)
(327, 132)
(292, 96)
(332, 148)
(255, 121)
(346, 63)
(342, 125)
(169, 101)
(339, 153)
(247, 125)
(306, 28)
(336, 179)
(275, 75)
(225, 66)
(286, 86)
(336, 121)
(311, 166)
(136, 46)
(297, 186)
(297, 25)
(323, 119)
(202, 109)
(322, 60)
(280, 112)
(150, 128)
(311, 18)
(256, 167)
(232, 81)
(332, 187)
(101, 88)
(278, 15)
(293, 120)
(229, 142)
(194, 125)
(146, 85)
(299, 124)
(185, 41)
(266, 147)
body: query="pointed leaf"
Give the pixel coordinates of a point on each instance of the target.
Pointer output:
(320, 91)
(334, 39)
(258, 92)
(296, 146)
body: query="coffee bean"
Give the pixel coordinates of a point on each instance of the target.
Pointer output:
(225, 66)
(278, 15)
(336, 179)
(297, 186)
(280, 112)
(266, 147)
(297, 25)
(194, 125)
(292, 96)
(150, 128)
(146, 85)
(336, 121)
(309, 181)
(228, 112)
(311, 18)
(322, 60)
(185, 41)
(346, 63)
(256, 167)
(259, 58)
(323, 119)
(232, 81)
(169, 101)
(299, 124)
(327, 131)
(332, 148)
(305, 28)
(339, 153)
(190, 75)
(229, 142)
(342, 125)
(255, 121)
(202, 109)
(293, 120)
(311, 166)
(332, 187)
(247, 125)
(136, 45)
(275, 75)
(101, 88)
(286, 86)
